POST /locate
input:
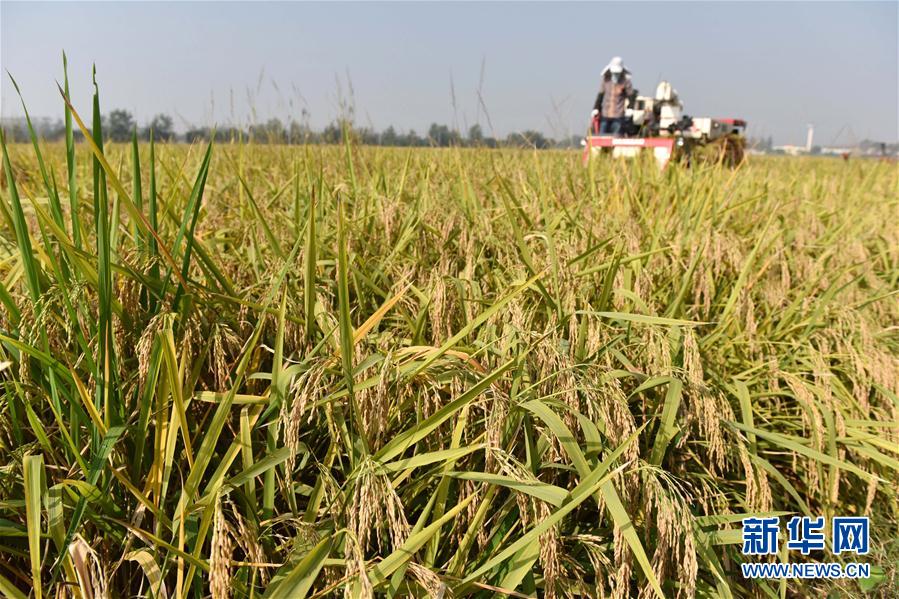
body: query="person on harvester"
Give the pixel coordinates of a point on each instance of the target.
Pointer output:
(614, 91)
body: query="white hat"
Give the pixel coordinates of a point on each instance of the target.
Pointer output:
(616, 65)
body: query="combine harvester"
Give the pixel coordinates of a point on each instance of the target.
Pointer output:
(657, 124)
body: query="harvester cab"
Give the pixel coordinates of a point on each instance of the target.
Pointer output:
(657, 124)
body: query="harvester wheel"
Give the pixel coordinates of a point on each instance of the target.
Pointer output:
(732, 153)
(726, 150)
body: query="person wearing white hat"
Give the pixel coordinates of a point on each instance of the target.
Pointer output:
(614, 91)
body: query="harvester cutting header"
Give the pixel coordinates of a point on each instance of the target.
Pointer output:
(624, 123)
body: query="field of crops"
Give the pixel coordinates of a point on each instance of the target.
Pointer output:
(281, 371)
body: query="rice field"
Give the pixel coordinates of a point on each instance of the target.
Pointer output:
(245, 370)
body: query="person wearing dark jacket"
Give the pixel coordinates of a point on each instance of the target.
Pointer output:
(614, 90)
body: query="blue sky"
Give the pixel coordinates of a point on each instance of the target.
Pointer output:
(778, 65)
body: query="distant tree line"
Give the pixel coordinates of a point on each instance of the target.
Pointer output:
(120, 126)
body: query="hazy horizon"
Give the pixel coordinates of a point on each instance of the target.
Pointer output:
(531, 66)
